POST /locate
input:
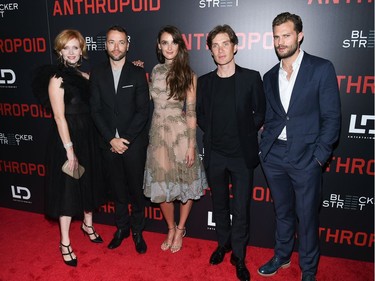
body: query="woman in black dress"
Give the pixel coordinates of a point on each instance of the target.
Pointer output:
(65, 90)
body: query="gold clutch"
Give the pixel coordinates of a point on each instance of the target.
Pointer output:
(75, 173)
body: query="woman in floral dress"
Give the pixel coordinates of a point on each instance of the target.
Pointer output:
(173, 168)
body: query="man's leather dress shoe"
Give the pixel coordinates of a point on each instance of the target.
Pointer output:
(310, 277)
(140, 244)
(272, 266)
(242, 272)
(119, 235)
(218, 255)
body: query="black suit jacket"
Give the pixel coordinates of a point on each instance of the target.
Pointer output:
(127, 110)
(250, 110)
(314, 114)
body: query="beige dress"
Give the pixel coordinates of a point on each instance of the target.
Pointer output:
(166, 176)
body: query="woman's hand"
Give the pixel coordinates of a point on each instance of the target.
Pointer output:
(73, 161)
(139, 63)
(190, 157)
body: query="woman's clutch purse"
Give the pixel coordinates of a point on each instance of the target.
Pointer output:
(77, 173)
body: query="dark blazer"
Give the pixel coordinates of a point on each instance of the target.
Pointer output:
(314, 115)
(127, 110)
(250, 110)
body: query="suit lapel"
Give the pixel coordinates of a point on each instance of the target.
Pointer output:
(211, 92)
(237, 92)
(301, 80)
(109, 80)
(124, 75)
(275, 90)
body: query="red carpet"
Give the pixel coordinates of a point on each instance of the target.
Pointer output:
(29, 251)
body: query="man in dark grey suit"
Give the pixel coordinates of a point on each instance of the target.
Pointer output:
(230, 111)
(120, 109)
(301, 126)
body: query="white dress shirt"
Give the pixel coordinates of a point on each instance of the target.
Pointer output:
(286, 87)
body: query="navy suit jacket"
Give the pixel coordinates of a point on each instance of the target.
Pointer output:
(127, 110)
(314, 114)
(250, 109)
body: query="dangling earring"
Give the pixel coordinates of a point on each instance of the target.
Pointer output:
(61, 59)
(80, 61)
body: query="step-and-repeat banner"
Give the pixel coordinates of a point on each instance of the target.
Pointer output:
(339, 30)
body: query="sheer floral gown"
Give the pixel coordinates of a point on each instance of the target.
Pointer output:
(172, 131)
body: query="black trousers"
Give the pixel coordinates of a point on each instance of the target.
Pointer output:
(220, 172)
(125, 175)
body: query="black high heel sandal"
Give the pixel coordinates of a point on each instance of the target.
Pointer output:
(97, 238)
(72, 261)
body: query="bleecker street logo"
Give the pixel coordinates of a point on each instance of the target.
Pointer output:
(218, 3)
(7, 7)
(359, 39)
(14, 139)
(348, 202)
(95, 43)
(361, 127)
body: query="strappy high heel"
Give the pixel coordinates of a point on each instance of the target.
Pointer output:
(176, 247)
(97, 238)
(168, 242)
(72, 261)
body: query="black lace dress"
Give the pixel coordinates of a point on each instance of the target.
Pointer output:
(65, 195)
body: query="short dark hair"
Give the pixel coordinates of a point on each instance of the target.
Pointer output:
(284, 17)
(222, 29)
(117, 28)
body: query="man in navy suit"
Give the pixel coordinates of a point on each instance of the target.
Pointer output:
(301, 126)
(120, 109)
(230, 111)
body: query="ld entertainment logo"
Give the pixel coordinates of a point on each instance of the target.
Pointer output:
(210, 221)
(359, 39)
(363, 130)
(7, 78)
(20, 193)
(218, 3)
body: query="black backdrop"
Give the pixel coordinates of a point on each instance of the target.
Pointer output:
(339, 30)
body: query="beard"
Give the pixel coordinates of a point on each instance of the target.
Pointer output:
(290, 52)
(117, 58)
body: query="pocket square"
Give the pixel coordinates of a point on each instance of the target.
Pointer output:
(127, 86)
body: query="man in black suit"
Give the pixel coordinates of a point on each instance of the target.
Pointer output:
(230, 111)
(301, 126)
(120, 109)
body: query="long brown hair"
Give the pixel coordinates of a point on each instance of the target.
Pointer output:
(180, 75)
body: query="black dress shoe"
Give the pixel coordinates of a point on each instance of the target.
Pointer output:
(308, 277)
(218, 255)
(140, 244)
(272, 266)
(119, 235)
(242, 272)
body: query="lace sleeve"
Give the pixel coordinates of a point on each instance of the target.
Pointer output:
(191, 119)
